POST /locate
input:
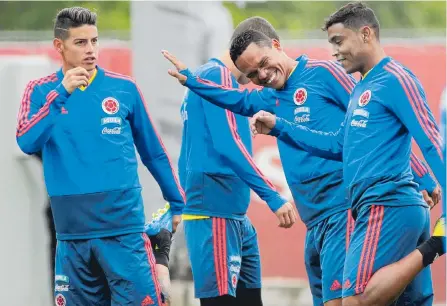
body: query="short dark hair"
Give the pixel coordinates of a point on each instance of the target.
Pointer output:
(72, 17)
(244, 39)
(354, 15)
(258, 24)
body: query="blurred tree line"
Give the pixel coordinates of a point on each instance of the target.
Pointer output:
(287, 15)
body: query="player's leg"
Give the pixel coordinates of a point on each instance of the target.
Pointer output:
(78, 278)
(213, 246)
(382, 236)
(313, 264)
(334, 237)
(129, 265)
(248, 291)
(391, 281)
(420, 290)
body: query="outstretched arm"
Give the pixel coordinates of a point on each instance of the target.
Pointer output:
(324, 144)
(243, 102)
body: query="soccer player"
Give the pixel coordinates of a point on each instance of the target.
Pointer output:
(314, 93)
(217, 171)
(387, 108)
(86, 121)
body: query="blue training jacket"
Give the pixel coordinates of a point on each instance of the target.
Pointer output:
(316, 95)
(216, 167)
(90, 165)
(386, 109)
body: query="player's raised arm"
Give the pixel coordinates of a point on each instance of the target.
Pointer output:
(40, 109)
(324, 144)
(412, 109)
(153, 154)
(243, 102)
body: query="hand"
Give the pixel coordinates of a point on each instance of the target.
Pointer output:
(74, 78)
(427, 198)
(432, 199)
(178, 65)
(175, 222)
(436, 195)
(262, 123)
(286, 215)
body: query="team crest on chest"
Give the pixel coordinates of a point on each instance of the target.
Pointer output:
(60, 300)
(364, 98)
(110, 106)
(300, 96)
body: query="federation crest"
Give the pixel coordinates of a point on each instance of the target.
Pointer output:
(234, 280)
(300, 96)
(110, 106)
(365, 98)
(60, 300)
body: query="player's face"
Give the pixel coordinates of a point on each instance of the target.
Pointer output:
(80, 49)
(348, 47)
(264, 66)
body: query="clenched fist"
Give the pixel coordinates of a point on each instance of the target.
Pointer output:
(262, 123)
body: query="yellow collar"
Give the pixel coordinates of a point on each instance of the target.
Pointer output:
(90, 80)
(292, 71)
(364, 76)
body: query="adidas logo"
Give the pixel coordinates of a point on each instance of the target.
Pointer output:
(347, 284)
(147, 301)
(335, 285)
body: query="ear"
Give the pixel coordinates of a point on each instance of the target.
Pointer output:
(58, 45)
(367, 34)
(276, 44)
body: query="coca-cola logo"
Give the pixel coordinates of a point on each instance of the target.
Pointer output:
(112, 131)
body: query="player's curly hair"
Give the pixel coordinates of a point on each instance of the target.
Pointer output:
(258, 24)
(354, 15)
(243, 40)
(72, 17)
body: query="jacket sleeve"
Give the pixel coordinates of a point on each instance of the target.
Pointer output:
(226, 141)
(413, 111)
(38, 113)
(153, 154)
(243, 102)
(323, 144)
(421, 174)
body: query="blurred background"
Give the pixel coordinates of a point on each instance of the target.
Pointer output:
(131, 37)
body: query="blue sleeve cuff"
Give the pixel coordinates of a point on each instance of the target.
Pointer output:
(276, 203)
(62, 91)
(176, 208)
(277, 129)
(427, 183)
(187, 73)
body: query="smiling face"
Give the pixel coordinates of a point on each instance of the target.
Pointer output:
(80, 48)
(264, 65)
(349, 47)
